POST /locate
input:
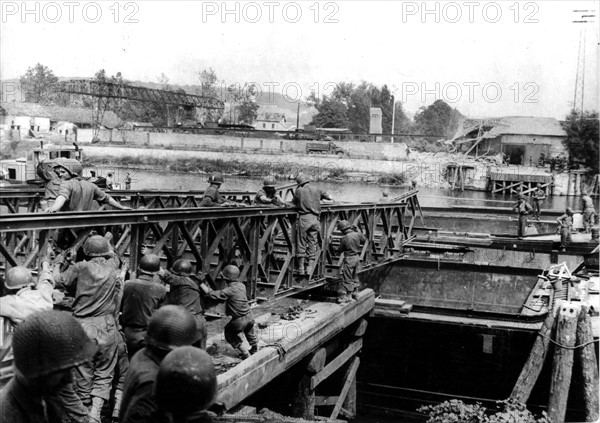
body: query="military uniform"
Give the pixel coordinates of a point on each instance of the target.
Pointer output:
(308, 201)
(211, 197)
(523, 209)
(589, 212)
(80, 195)
(185, 292)
(141, 298)
(566, 224)
(27, 300)
(95, 306)
(237, 306)
(350, 246)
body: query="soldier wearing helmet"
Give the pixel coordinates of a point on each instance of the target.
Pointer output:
(24, 295)
(142, 296)
(45, 170)
(212, 197)
(76, 194)
(47, 346)
(170, 327)
(589, 212)
(307, 199)
(238, 307)
(523, 209)
(268, 194)
(566, 226)
(184, 291)
(186, 383)
(97, 296)
(350, 246)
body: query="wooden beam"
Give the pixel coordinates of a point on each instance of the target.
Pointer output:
(336, 363)
(348, 381)
(589, 368)
(562, 366)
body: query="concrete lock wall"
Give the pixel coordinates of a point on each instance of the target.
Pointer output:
(382, 151)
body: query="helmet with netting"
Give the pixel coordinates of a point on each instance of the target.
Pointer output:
(269, 182)
(343, 225)
(301, 179)
(182, 267)
(149, 264)
(73, 166)
(231, 272)
(186, 381)
(96, 246)
(171, 326)
(49, 341)
(216, 178)
(18, 277)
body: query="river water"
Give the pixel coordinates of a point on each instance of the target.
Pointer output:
(348, 192)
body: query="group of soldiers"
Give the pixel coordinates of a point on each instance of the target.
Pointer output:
(565, 221)
(121, 335)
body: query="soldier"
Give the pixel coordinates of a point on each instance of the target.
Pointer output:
(170, 327)
(186, 384)
(45, 170)
(268, 194)
(184, 291)
(350, 246)
(141, 298)
(236, 306)
(128, 181)
(589, 212)
(385, 197)
(76, 194)
(212, 197)
(25, 296)
(97, 296)
(538, 198)
(566, 225)
(308, 201)
(523, 209)
(47, 346)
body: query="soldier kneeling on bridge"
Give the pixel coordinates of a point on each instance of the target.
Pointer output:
(238, 307)
(350, 246)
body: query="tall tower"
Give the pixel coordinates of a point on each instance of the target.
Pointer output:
(580, 75)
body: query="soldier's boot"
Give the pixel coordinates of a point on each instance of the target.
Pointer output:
(117, 407)
(96, 410)
(354, 294)
(253, 349)
(244, 354)
(310, 267)
(342, 298)
(300, 261)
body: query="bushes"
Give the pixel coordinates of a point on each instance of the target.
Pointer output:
(456, 411)
(394, 179)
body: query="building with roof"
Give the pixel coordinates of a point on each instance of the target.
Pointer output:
(271, 122)
(80, 117)
(24, 117)
(523, 139)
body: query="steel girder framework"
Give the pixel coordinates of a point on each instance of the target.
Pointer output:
(131, 92)
(28, 200)
(262, 241)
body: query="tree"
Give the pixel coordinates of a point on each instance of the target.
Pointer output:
(209, 87)
(247, 111)
(37, 84)
(332, 113)
(437, 119)
(582, 138)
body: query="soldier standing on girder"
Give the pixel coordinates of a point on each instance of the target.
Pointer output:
(350, 246)
(308, 201)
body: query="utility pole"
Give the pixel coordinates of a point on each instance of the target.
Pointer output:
(393, 116)
(298, 116)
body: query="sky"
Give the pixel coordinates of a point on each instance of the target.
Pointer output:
(487, 59)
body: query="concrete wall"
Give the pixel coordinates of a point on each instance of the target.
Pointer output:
(379, 151)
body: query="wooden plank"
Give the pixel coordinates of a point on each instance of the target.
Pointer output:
(252, 374)
(336, 363)
(349, 379)
(588, 371)
(321, 400)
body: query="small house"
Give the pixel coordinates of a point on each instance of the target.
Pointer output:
(67, 118)
(271, 122)
(27, 118)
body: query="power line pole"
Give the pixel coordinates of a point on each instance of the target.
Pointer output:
(580, 75)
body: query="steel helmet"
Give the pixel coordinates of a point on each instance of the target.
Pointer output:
(269, 182)
(182, 266)
(569, 210)
(18, 277)
(49, 341)
(301, 179)
(343, 225)
(216, 178)
(171, 326)
(521, 197)
(45, 170)
(73, 166)
(149, 264)
(96, 246)
(231, 272)
(186, 381)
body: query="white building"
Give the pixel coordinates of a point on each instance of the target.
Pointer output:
(271, 122)
(24, 117)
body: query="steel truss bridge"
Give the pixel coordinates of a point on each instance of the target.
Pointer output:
(260, 240)
(132, 92)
